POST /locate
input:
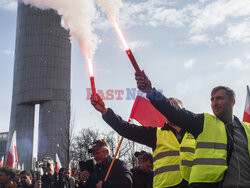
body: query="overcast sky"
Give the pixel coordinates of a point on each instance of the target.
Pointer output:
(185, 47)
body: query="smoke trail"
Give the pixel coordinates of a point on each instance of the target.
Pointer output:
(111, 8)
(77, 16)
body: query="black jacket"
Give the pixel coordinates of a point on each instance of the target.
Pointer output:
(142, 179)
(56, 182)
(119, 177)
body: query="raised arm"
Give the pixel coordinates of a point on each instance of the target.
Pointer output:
(185, 119)
(142, 135)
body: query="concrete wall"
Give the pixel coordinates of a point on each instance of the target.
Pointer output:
(41, 76)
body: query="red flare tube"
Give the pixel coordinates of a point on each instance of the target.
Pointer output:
(92, 82)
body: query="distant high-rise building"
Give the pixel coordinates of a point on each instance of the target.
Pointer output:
(41, 76)
(3, 143)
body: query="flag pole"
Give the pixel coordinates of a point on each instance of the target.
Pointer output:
(116, 152)
(111, 165)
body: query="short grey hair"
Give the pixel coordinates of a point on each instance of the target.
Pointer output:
(228, 90)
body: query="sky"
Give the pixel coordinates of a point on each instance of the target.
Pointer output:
(185, 47)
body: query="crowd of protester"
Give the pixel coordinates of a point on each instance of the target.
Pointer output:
(139, 177)
(189, 150)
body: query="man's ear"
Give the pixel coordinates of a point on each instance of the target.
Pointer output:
(233, 101)
(107, 152)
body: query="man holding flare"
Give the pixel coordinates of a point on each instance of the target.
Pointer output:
(223, 142)
(173, 148)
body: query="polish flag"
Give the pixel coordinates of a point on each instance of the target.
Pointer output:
(1, 161)
(246, 117)
(58, 163)
(146, 114)
(12, 158)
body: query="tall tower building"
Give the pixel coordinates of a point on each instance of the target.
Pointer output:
(41, 76)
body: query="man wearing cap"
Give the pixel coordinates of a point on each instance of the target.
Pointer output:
(173, 148)
(143, 175)
(119, 175)
(139, 155)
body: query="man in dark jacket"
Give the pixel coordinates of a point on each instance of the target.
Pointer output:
(26, 179)
(50, 179)
(143, 175)
(119, 177)
(156, 138)
(223, 142)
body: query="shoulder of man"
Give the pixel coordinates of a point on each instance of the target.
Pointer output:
(119, 162)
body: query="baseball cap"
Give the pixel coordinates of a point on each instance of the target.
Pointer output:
(136, 154)
(97, 145)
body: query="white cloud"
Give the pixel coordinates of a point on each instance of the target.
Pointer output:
(217, 12)
(151, 13)
(189, 63)
(198, 38)
(8, 4)
(201, 18)
(169, 17)
(138, 44)
(235, 63)
(8, 52)
(239, 32)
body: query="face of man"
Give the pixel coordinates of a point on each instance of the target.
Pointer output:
(221, 104)
(100, 155)
(25, 179)
(147, 166)
(50, 169)
(140, 160)
(67, 173)
(4, 179)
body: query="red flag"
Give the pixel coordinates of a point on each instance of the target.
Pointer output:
(12, 158)
(146, 114)
(1, 161)
(58, 163)
(246, 117)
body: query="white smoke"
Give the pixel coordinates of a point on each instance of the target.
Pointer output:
(77, 16)
(111, 8)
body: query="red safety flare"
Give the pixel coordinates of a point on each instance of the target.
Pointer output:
(91, 73)
(128, 51)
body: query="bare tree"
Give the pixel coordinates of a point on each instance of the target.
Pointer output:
(82, 142)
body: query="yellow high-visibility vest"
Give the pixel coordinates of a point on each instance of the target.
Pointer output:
(172, 160)
(210, 159)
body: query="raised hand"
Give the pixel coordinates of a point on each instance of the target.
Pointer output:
(98, 103)
(143, 83)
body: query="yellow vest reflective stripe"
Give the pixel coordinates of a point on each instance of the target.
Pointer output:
(210, 161)
(247, 131)
(172, 161)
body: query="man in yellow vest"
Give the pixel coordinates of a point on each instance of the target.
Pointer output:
(222, 157)
(173, 148)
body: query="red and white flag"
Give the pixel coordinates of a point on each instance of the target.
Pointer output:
(1, 161)
(246, 116)
(146, 114)
(58, 163)
(12, 158)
